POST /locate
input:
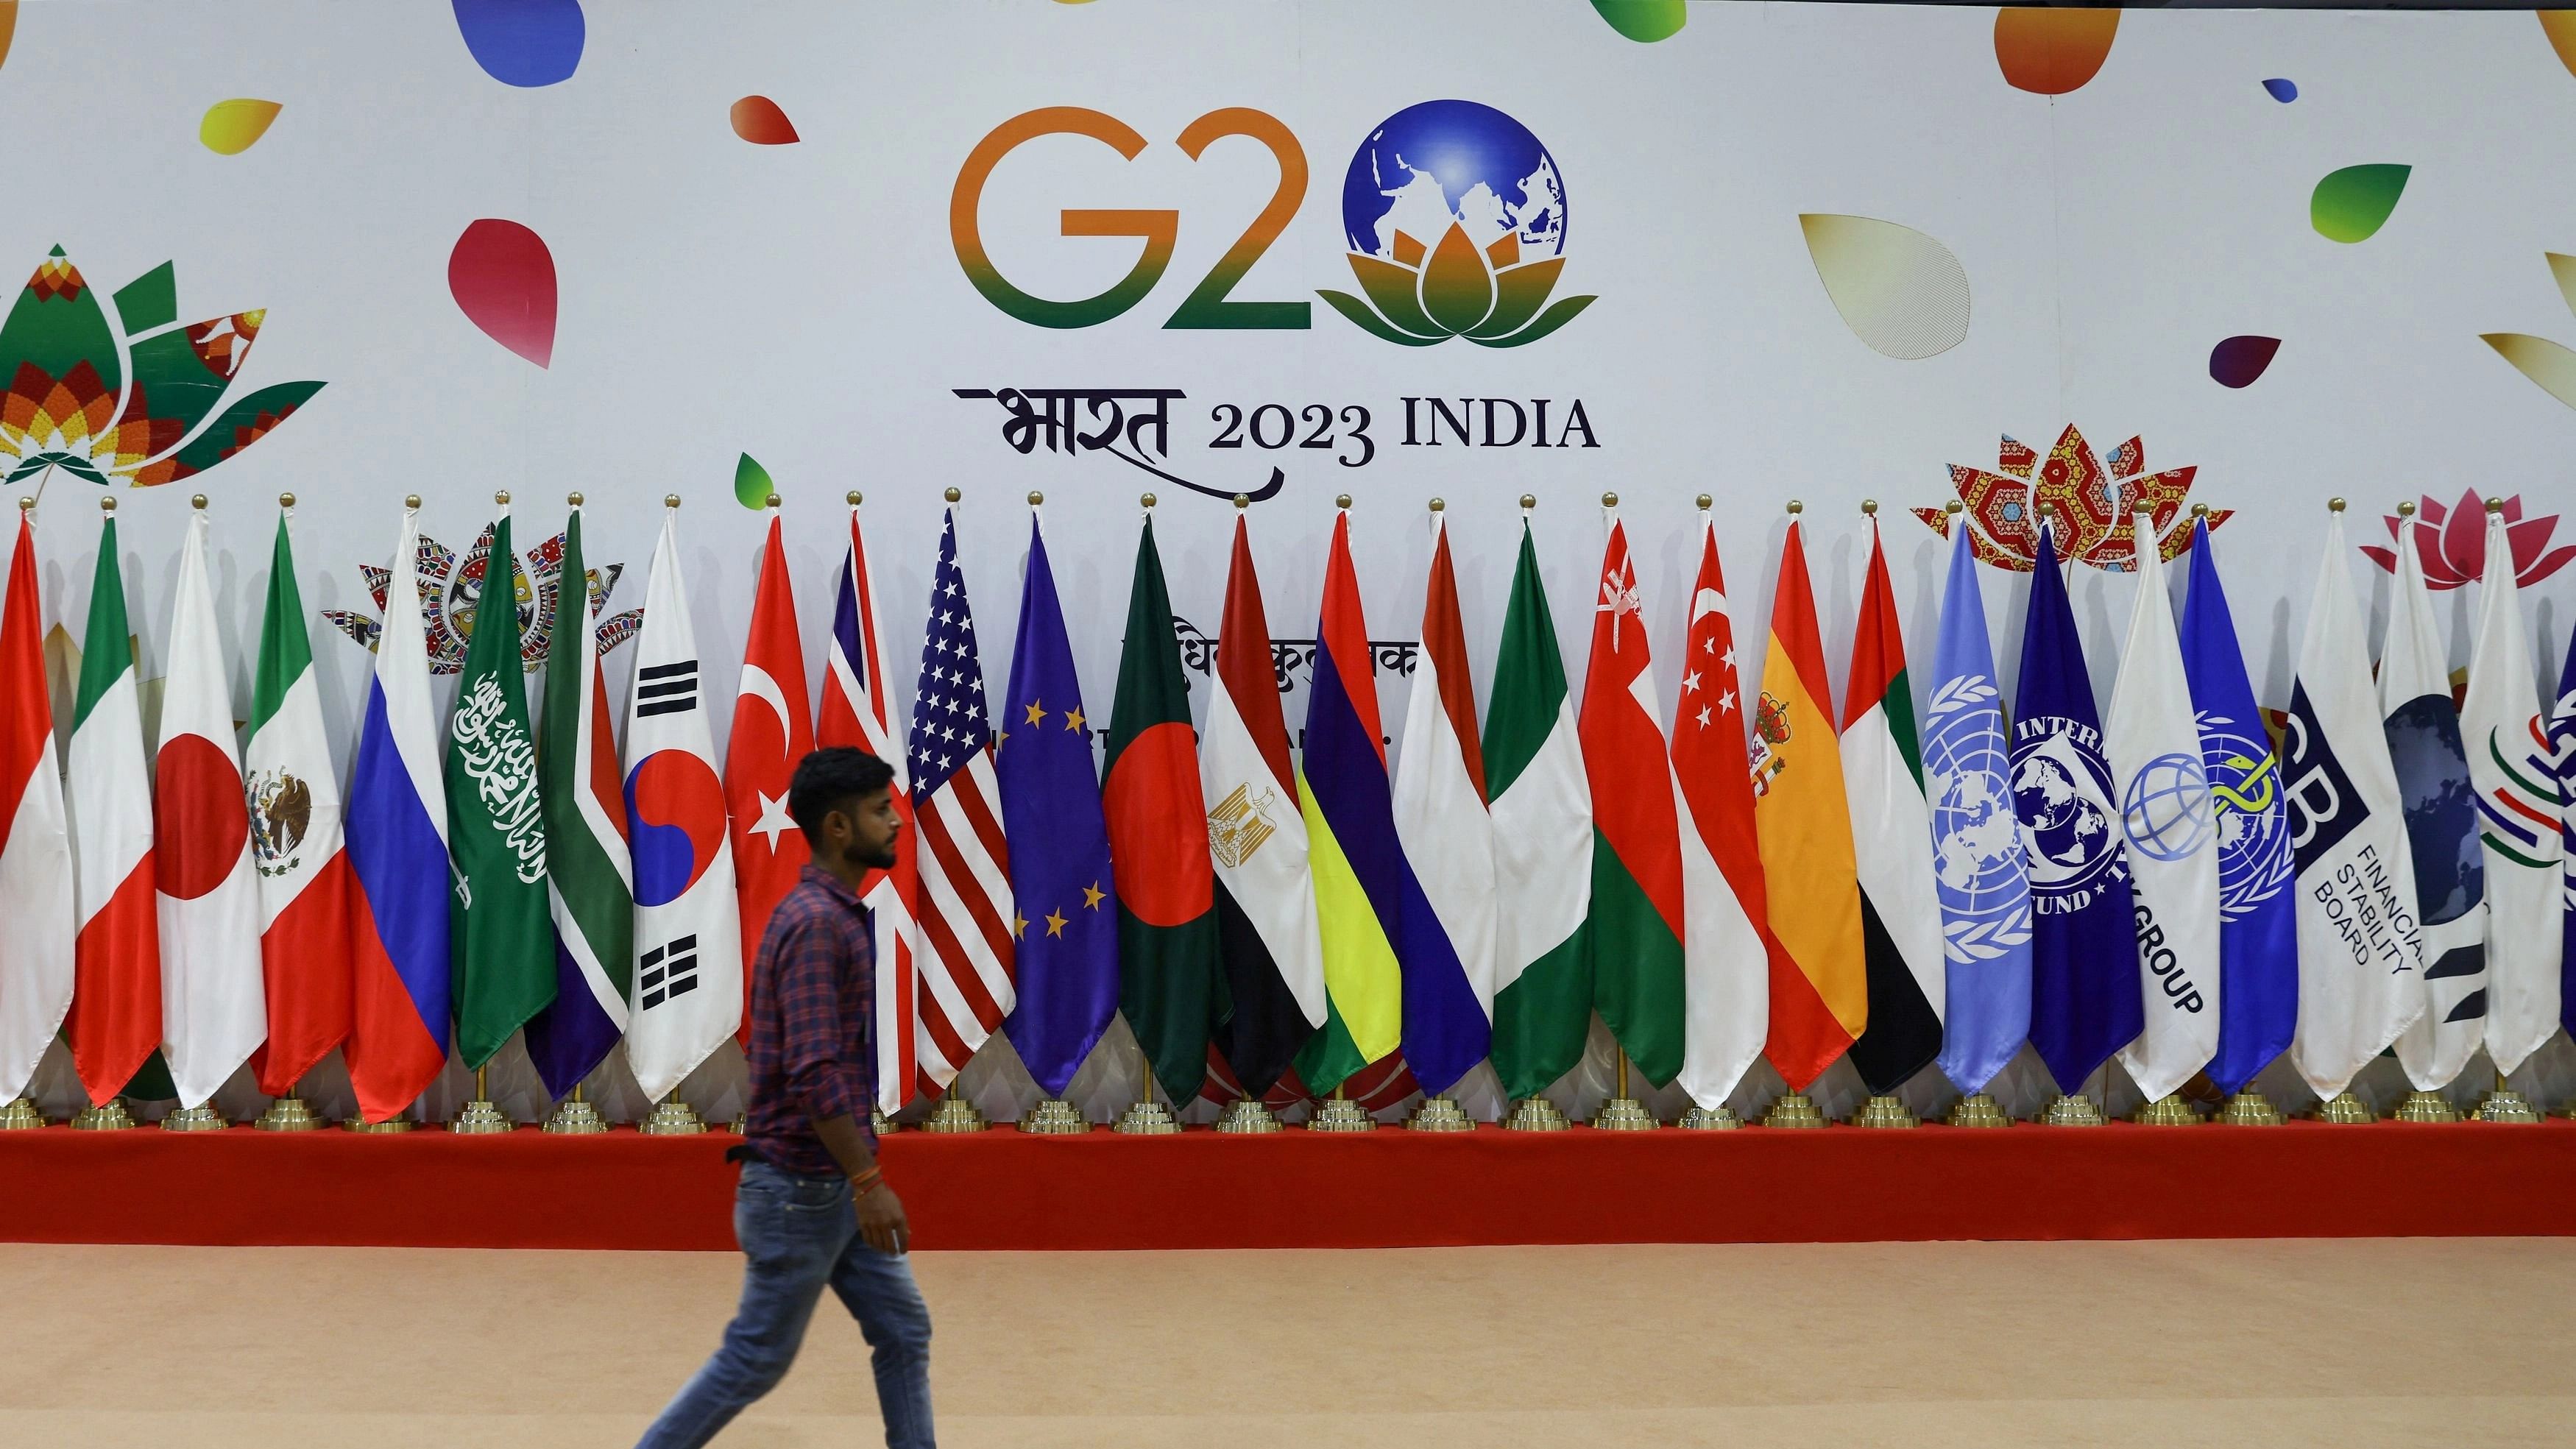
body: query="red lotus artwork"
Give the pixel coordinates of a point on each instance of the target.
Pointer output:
(2452, 541)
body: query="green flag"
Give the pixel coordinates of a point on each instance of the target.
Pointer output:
(501, 932)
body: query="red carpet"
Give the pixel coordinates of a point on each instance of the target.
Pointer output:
(1388, 1188)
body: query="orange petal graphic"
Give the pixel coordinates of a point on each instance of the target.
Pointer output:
(231, 127)
(758, 120)
(8, 27)
(2558, 25)
(2050, 52)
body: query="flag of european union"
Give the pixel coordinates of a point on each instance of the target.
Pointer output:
(2258, 928)
(1067, 921)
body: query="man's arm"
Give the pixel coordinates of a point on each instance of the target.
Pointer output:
(881, 1219)
(809, 997)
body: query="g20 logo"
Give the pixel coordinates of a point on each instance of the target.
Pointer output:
(1453, 211)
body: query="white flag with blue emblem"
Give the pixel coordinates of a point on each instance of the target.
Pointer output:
(2441, 830)
(2519, 816)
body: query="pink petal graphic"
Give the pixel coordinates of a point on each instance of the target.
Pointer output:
(2432, 511)
(758, 120)
(2386, 560)
(2529, 537)
(2548, 565)
(2464, 538)
(503, 279)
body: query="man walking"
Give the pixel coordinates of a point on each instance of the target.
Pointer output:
(813, 1208)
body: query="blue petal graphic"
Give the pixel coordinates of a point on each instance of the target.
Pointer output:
(522, 42)
(2282, 90)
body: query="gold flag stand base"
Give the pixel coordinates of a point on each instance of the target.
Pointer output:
(20, 1115)
(1440, 1113)
(2346, 1109)
(1977, 1109)
(200, 1118)
(2073, 1110)
(1248, 1114)
(1719, 1118)
(390, 1124)
(2568, 1111)
(2426, 1107)
(1793, 1110)
(1624, 1114)
(480, 1118)
(881, 1124)
(1054, 1117)
(741, 1124)
(1340, 1114)
(289, 1113)
(1885, 1111)
(2172, 1109)
(2504, 1104)
(954, 1114)
(109, 1118)
(1148, 1118)
(2249, 1109)
(672, 1117)
(576, 1118)
(1535, 1114)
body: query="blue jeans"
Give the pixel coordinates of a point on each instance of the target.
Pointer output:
(797, 1234)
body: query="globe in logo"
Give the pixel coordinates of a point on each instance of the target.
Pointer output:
(2166, 810)
(2254, 858)
(1455, 216)
(2065, 829)
(1976, 839)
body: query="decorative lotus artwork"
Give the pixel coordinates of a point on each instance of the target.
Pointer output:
(2090, 507)
(2452, 541)
(130, 394)
(451, 594)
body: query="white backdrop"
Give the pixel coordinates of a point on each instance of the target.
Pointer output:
(806, 304)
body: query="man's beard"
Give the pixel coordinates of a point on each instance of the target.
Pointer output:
(860, 857)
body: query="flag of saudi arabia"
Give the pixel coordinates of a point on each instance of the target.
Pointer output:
(1542, 810)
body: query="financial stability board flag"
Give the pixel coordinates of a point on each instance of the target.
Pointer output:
(1727, 950)
(1977, 861)
(214, 1011)
(968, 921)
(2424, 746)
(1891, 825)
(589, 872)
(2154, 749)
(115, 1021)
(399, 986)
(1267, 934)
(1820, 997)
(2520, 816)
(1448, 841)
(1067, 953)
(1362, 880)
(2258, 924)
(854, 714)
(36, 890)
(305, 883)
(2562, 735)
(2361, 967)
(1171, 977)
(685, 995)
(771, 732)
(2084, 1002)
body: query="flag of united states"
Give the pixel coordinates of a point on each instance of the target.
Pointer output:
(966, 911)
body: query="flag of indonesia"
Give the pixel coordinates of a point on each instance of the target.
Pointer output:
(771, 732)
(854, 713)
(115, 1018)
(35, 853)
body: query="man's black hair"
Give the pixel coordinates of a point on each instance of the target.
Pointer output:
(827, 779)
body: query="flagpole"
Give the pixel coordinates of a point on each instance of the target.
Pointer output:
(1339, 1113)
(1146, 1117)
(1439, 1112)
(1533, 1113)
(1052, 1116)
(1792, 1109)
(954, 1113)
(1699, 1118)
(1621, 1113)
(289, 1112)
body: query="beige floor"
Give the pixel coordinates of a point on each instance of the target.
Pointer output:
(2269, 1344)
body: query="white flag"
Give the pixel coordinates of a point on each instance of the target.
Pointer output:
(686, 996)
(2512, 767)
(2441, 829)
(214, 994)
(2361, 966)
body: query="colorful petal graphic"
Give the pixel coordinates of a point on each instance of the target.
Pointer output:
(751, 485)
(1898, 290)
(230, 127)
(758, 120)
(522, 42)
(2352, 204)
(2562, 268)
(503, 279)
(2282, 90)
(8, 27)
(1643, 20)
(2050, 52)
(2237, 361)
(2560, 27)
(2541, 360)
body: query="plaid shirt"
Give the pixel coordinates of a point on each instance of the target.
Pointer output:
(813, 996)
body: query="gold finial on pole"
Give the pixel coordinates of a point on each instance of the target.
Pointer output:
(1609, 500)
(412, 501)
(2334, 505)
(1242, 500)
(197, 501)
(286, 500)
(2200, 510)
(2495, 503)
(2406, 510)
(502, 497)
(670, 500)
(1342, 500)
(1796, 508)
(953, 495)
(26, 505)
(1704, 502)
(107, 504)
(1036, 498)
(773, 500)
(1528, 502)
(573, 499)
(1869, 508)
(1147, 501)
(1437, 505)
(853, 498)
(2142, 508)
(1954, 506)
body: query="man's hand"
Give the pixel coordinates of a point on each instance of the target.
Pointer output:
(882, 1223)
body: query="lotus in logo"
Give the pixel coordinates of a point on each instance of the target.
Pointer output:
(1455, 215)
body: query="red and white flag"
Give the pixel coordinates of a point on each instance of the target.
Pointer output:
(771, 732)
(36, 853)
(115, 1021)
(854, 713)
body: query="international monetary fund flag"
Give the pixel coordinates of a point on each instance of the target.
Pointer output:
(686, 994)
(1060, 873)
(1448, 837)
(589, 877)
(2520, 817)
(1976, 842)
(1637, 967)
(1541, 801)
(36, 852)
(2258, 924)
(2361, 969)
(1726, 947)
(115, 1021)
(2154, 748)
(1891, 824)
(2084, 1000)
(2423, 727)
(399, 984)
(214, 1011)
(1256, 828)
